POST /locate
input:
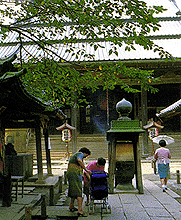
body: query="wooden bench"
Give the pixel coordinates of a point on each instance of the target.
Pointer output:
(17, 180)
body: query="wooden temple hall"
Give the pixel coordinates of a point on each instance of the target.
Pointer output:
(19, 110)
(96, 117)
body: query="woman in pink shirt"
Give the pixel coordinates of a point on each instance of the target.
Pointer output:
(162, 155)
(98, 165)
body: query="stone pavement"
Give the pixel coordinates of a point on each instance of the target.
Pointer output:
(153, 204)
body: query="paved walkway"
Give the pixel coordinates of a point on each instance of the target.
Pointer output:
(153, 204)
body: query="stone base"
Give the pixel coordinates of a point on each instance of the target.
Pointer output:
(124, 187)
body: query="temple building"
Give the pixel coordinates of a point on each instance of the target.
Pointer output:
(95, 117)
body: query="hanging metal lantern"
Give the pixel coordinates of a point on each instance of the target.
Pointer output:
(66, 135)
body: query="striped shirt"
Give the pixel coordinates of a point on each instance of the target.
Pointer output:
(162, 155)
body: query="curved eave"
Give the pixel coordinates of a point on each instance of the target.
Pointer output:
(9, 58)
(171, 110)
(8, 75)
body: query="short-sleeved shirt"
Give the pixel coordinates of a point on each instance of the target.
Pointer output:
(92, 166)
(162, 153)
(74, 166)
(75, 157)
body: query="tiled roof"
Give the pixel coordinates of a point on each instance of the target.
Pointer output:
(171, 110)
(17, 98)
(168, 37)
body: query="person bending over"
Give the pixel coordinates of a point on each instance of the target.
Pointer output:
(98, 165)
(74, 176)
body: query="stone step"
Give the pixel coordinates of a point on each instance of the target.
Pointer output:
(79, 138)
(96, 143)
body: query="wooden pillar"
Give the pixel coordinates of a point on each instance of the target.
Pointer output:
(180, 97)
(48, 158)
(52, 194)
(139, 183)
(2, 147)
(74, 132)
(39, 151)
(60, 184)
(136, 106)
(144, 120)
(111, 169)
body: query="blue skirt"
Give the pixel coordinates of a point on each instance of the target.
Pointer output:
(163, 170)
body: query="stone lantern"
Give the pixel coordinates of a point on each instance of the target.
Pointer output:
(123, 150)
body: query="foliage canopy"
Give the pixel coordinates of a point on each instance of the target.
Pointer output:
(90, 22)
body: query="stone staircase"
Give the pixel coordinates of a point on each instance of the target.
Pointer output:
(96, 143)
(175, 148)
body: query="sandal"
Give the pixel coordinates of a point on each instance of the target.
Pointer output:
(81, 214)
(73, 209)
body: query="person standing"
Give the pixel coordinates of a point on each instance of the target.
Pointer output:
(74, 176)
(98, 165)
(163, 156)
